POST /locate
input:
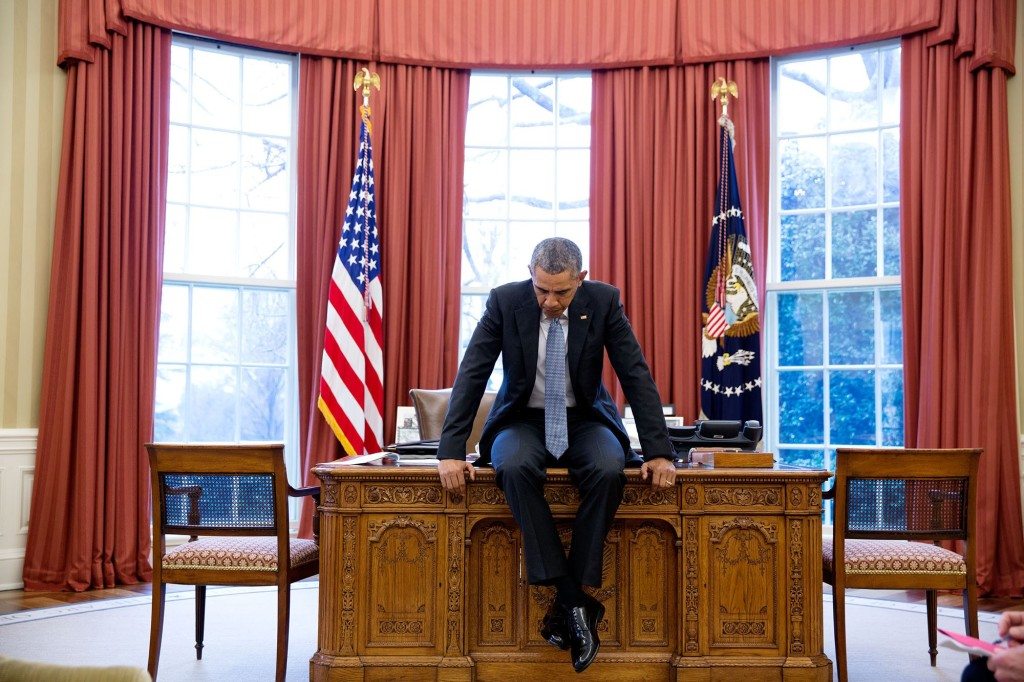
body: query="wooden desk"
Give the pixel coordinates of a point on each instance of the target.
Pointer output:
(718, 578)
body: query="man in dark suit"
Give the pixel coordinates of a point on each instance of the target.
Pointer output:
(552, 410)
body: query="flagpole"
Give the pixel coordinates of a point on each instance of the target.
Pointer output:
(365, 79)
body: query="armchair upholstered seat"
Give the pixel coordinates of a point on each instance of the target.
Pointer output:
(892, 509)
(232, 503)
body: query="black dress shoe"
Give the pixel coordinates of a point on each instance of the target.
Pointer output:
(553, 629)
(583, 640)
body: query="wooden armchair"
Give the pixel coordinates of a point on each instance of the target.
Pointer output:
(883, 500)
(232, 502)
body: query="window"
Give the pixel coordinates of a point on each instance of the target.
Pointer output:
(226, 364)
(527, 178)
(834, 331)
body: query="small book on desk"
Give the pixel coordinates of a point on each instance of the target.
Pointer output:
(726, 458)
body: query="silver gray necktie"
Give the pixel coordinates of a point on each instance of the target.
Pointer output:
(556, 432)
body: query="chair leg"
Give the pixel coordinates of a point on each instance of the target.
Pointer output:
(839, 627)
(971, 608)
(283, 608)
(156, 628)
(200, 619)
(933, 622)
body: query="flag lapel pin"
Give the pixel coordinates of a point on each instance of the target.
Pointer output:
(583, 317)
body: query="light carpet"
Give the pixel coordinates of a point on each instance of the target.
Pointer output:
(884, 639)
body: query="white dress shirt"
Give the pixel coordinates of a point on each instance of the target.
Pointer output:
(537, 397)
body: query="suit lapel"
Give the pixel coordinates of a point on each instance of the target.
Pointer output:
(579, 323)
(528, 323)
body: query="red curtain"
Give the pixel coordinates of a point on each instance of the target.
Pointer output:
(522, 33)
(652, 188)
(419, 129)
(90, 507)
(959, 368)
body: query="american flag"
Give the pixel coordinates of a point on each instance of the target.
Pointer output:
(730, 339)
(352, 372)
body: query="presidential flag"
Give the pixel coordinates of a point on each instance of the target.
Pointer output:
(352, 371)
(730, 344)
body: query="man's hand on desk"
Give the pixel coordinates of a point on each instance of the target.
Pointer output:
(661, 471)
(453, 474)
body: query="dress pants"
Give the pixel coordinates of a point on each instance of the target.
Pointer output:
(595, 461)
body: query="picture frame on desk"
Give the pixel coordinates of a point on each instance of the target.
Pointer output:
(407, 426)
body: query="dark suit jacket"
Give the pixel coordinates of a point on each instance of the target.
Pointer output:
(511, 325)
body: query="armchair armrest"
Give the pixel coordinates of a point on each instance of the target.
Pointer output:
(314, 492)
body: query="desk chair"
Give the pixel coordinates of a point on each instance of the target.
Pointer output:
(232, 502)
(431, 406)
(885, 498)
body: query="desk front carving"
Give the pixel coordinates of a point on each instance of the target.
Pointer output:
(717, 575)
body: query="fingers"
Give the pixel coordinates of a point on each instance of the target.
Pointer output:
(472, 471)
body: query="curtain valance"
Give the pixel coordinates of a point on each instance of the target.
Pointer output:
(584, 34)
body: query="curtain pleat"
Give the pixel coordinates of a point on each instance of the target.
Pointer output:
(418, 147)
(958, 334)
(90, 502)
(652, 187)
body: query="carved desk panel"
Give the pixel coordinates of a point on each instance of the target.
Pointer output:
(716, 578)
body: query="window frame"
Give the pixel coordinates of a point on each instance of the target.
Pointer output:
(242, 284)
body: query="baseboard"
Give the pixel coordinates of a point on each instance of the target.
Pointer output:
(17, 474)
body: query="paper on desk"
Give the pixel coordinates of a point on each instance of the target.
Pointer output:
(972, 645)
(373, 457)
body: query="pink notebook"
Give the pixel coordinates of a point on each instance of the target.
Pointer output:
(971, 645)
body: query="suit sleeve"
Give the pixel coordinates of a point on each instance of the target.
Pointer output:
(471, 382)
(627, 359)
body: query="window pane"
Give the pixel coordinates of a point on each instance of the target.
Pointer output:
(215, 165)
(891, 240)
(263, 404)
(266, 315)
(212, 242)
(573, 185)
(212, 404)
(855, 244)
(891, 164)
(216, 89)
(177, 164)
(854, 162)
(265, 176)
(800, 315)
(802, 103)
(574, 101)
(168, 421)
(181, 98)
(487, 118)
(892, 406)
(802, 239)
(890, 65)
(801, 395)
(264, 248)
(174, 324)
(851, 328)
(531, 183)
(802, 171)
(892, 326)
(267, 89)
(854, 79)
(852, 401)
(214, 324)
(175, 229)
(532, 111)
(486, 183)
